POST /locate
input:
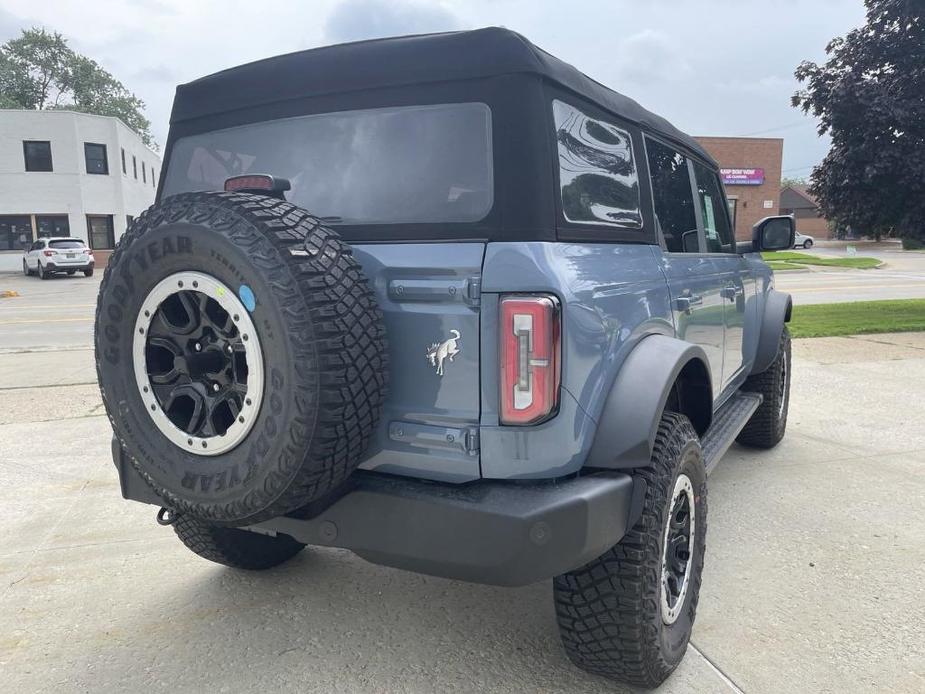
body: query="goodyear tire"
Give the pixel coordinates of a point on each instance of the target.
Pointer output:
(628, 614)
(241, 355)
(768, 424)
(239, 549)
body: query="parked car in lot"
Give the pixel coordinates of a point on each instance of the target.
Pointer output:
(57, 254)
(803, 241)
(446, 302)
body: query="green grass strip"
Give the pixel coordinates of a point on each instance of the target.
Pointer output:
(860, 263)
(858, 317)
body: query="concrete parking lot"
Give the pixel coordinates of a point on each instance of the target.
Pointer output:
(813, 579)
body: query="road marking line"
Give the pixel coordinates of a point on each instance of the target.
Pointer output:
(854, 287)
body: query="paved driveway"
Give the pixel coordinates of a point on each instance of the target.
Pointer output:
(813, 572)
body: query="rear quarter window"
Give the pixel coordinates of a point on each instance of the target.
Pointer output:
(598, 180)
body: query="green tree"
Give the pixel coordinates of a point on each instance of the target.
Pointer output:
(39, 70)
(868, 96)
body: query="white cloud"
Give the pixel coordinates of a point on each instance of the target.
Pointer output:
(651, 56)
(710, 66)
(353, 20)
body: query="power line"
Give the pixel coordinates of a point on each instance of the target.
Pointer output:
(798, 168)
(779, 127)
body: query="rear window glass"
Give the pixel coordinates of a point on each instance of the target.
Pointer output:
(380, 166)
(66, 244)
(597, 171)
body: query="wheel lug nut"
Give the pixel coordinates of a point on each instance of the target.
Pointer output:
(215, 387)
(197, 347)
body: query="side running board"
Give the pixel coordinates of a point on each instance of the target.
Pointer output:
(727, 423)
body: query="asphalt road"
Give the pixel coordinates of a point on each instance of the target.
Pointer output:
(812, 582)
(902, 276)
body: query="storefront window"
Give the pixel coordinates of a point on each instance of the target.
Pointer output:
(100, 231)
(15, 232)
(52, 225)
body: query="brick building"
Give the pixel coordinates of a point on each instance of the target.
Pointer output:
(751, 171)
(797, 201)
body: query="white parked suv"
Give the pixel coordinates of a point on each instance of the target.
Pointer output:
(803, 241)
(57, 254)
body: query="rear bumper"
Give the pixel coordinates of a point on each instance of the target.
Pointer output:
(494, 532)
(62, 267)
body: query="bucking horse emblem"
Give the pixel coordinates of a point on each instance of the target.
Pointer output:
(438, 352)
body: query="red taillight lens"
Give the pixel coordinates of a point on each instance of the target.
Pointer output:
(530, 351)
(249, 183)
(48, 254)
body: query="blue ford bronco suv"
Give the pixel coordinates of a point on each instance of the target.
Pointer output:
(446, 302)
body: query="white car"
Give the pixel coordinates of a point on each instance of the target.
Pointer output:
(803, 241)
(57, 254)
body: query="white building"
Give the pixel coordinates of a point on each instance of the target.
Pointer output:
(70, 174)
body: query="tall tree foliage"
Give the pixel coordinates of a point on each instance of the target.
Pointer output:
(869, 96)
(39, 70)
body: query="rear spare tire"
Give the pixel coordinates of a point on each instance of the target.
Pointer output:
(241, 355)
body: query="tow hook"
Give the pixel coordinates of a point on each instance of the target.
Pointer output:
(166, 517)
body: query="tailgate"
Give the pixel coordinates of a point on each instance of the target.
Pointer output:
(429, 294)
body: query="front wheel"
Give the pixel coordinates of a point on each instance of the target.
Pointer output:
(239, 549)
(768, 424)
(807, 244)
(628, 614)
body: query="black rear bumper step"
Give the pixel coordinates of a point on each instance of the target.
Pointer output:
(494, 532)
(728, 421)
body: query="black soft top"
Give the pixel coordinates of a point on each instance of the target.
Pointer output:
(402, 61)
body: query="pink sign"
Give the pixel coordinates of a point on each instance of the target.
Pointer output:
(742, 177)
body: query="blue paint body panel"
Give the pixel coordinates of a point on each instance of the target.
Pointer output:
(425, 292)
(612, 296)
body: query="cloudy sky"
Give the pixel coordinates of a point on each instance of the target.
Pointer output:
(712, 67)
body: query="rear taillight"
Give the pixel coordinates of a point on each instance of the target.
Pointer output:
(530, 355)
(48, 254)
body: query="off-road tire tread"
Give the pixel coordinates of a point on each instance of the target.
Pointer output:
(334, 321)
(767, 425)
(608, 609)
(239, 549)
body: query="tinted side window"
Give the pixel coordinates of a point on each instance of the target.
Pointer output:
(597, 172)
(720, 238)
(672, 198)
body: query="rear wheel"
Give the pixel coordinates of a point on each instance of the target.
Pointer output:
(42, 274)
(239, 549)
(88, 273)
(25, 269)
(628, 614)
(768, 424)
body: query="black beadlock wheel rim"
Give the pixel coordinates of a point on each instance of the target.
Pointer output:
(198, 363)
(678, 550)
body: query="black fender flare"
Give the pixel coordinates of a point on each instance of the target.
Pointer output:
(629, 421)
(778, 307)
